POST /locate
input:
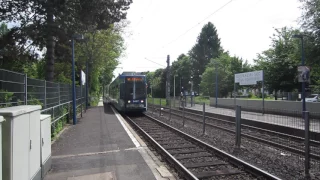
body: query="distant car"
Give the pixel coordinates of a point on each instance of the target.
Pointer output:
(312, 98)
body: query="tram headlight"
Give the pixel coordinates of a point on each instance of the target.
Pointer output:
(129, 101)
(142, 101)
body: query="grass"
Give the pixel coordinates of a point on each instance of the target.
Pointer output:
(198, 100)
(201, 99)
(156, 101)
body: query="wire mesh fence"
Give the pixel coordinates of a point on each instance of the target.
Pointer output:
(55, 98)
(288, 138)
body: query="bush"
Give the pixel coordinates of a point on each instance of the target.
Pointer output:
(6, 97)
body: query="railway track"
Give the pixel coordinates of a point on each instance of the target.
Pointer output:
(283, 141)
(192, 158)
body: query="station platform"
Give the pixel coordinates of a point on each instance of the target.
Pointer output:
(288, 121)
(102, 146)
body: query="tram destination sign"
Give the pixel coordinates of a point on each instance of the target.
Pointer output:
(134, 79)
(248, 78)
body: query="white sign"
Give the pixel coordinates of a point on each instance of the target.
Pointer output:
(304, 74)
(83, 77)
(249, 78)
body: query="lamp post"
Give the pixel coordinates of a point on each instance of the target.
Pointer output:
(300, 36)
(74, 37)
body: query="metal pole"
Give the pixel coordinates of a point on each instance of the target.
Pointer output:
(160, 108)
(170, 111)
(103, 91)
(307, 145)
(59, 92)
(87, 70)
(153, 106)
(204, 119)
(238, 126)
(45, 94)
(174, 87)
(25, 89)
(303, 83)
(262, 92)
(180, 85)
(235, 95)
(183, 117)
(81, 95)
(216, 87)
(73, 87)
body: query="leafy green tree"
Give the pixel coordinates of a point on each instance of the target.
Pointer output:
(207, 47)
(13, 55)
(102, 50)
(310, 22)
(182, 69)
(51, 22)
(280, 62)
(225, 66)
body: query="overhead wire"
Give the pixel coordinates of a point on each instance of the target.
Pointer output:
(155, 62)
(223, 6)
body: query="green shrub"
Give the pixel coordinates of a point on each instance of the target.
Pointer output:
(6, 97)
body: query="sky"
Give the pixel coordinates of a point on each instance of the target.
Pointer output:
(158, 28)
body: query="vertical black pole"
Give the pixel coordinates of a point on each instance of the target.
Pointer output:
(160, 108)
(303, 83)
(153, 106)
(262, 92)
(81, 100)
(204, 118)
(170, 111)
(216, 87)
(25, 89)
(45, 94)
(307, 144)
(183, 117)
(238, 126)
(235, 95)
(168, 81)
(74, 106)
(87, 90)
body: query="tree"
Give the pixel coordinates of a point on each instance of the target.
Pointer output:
(207, 47)
(280, 62)
(225, 66)
(102, 50)
(310, 22)
(13, 55)
(182, 69)
(47, 23)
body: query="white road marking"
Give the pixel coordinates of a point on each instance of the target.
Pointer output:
(121, 120)
(153, 163)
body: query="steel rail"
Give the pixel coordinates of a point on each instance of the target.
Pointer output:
(277, 145)
(176, 164)
(232, 159)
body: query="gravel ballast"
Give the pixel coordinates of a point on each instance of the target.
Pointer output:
(279, 163)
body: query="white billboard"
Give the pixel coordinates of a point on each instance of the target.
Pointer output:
(248, 78)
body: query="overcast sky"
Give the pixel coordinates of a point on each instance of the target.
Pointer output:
(158, 28)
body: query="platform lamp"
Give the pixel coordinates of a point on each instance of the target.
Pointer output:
(74, 37)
